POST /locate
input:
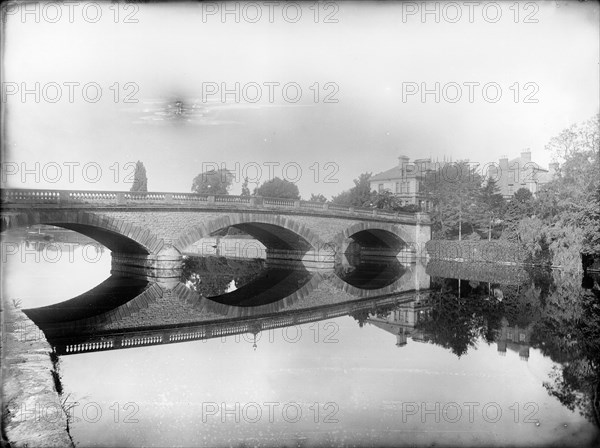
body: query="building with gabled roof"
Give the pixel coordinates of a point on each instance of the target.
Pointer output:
(520, 172)
(405, 181)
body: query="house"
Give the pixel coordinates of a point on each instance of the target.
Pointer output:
(402, 321)
(520, 172)
(514, 338)
(405, 181)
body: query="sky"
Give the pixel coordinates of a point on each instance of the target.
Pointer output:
(341, 85)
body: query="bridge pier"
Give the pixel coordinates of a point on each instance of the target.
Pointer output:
(164, 268)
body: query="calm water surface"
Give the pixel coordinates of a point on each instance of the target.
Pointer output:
(382, 354)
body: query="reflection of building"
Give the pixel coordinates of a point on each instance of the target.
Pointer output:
(514, 338)
(520, 172)
(401, 322)
(405, 181)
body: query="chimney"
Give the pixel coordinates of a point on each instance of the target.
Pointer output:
(403, 160)
(401, 340)
(524, 353)
(526, 155)
(503, 162)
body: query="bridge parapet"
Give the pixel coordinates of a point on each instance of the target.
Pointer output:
(79, 198)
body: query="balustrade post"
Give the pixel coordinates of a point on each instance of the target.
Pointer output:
(252, 202)
(297, 204)
(120, 198)
(351, 209)
(63, 197)
(169, 198)
(325, 206)
(211, 199)
(374, 212)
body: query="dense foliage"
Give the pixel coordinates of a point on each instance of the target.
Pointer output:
(140, 180)
(278, 188)
(556, 226)
(212, 182)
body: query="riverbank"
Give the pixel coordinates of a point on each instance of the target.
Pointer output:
(32, 414)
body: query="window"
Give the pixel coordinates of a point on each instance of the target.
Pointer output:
(511, 190)
(397, 187)
(380, 188)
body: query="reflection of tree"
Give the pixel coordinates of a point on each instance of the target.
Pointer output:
(521, 304)
(569, 332)
(381, 311)
(361, 317)
(559, 313)
(456, 321)
(210, 276)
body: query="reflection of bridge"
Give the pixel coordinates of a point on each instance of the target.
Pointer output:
(146, 314)
(110, 340)
(151, 230)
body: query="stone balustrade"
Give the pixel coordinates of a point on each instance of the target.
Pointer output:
(187, 200)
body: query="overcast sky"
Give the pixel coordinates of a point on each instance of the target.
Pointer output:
(169, 58)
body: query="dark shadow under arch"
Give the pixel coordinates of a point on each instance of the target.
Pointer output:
(114, 241)
(378, 238)
(274, 237)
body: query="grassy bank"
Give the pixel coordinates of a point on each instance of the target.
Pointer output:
(32, 412)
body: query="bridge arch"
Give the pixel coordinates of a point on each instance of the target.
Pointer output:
(376, 234)
(115, 234)
(274, 231)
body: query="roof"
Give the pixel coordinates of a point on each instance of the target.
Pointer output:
(542, 175)
(394, 173)
(524, 163)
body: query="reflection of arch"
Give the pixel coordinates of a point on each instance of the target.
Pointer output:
(112, 293)
(376, 235)
(274, 231)
(271, 286)
(399, 284)
(115, 234)
(228, 309)
(373, 276)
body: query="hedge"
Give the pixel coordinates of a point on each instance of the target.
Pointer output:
(498, 251)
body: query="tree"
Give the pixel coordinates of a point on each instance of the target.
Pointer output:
(575, 191)
(385, 200)
(245, 189)
(357, 196)
(568, 206)
(140, 181)
(318, 198)
(454, 194)
(523, 196)
(278, 188)
(212, 182)
(491, 205)
(519, 207)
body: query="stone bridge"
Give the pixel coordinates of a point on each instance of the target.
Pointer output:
(151, 230)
